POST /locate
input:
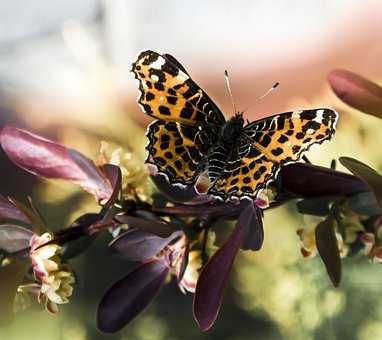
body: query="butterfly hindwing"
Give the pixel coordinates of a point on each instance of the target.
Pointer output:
(168, 93)
(285, 137)
(169, 152)
(244, 177)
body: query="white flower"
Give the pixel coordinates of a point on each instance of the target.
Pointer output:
(53, 279)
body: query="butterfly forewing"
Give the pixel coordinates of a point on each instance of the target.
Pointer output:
(285, 137)
(168, 93)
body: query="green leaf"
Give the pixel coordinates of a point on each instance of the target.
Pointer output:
(372, 178)
(11, 277)
(327, 246)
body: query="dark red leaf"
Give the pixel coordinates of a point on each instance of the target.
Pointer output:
(14, 238)
(151, 226)
(365, 203)
(357, 91)
(114, 175)
(217, 209)
(131, 295)
(309, 181)
(250, 217)
(45, 158)
(10, 277)
(327, 246)
(138, 245)
(76, 239)
(34, 218)
(213, 278)
(367, 174)
(8, 210)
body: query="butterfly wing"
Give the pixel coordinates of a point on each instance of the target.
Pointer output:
(244, 177)
(173, 154)
(285, 137)
(168, 93)
(272, 142)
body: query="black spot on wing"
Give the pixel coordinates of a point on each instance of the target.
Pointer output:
(164, 110)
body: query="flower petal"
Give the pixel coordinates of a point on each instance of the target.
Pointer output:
(45, 158)
(357, 91)
(131, 295)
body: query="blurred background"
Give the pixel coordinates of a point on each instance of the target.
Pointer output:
(64, 73)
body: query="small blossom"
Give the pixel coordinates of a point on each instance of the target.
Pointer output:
(195, 260)
(307, 237)
(54, 280)
(373, 250)
(134, 173)
(191, 275)
(264, 198)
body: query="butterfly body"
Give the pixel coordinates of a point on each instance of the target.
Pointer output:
(191, 136)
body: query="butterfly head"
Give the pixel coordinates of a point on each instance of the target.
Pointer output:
(238, 118)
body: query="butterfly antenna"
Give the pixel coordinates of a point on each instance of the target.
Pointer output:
(229, 90)
(264, 95)
(274, 87)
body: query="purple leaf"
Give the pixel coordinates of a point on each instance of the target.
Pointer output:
(213, 278)
(217, 209)
(45, 158)
(357, 91)
(76, 239)
(250, 217)
(309, 181)
(114, 175)
(11, 277)
(367, 174)
(34, 218)
(131, 295)
(138, 245)
(151, 226)
(8, 210)
(14, 238)
(327, 247)
(365, 203)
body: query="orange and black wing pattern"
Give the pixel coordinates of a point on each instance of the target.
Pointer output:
(272, 142)
(168, 93)
(244, 177)
(171, 153)
(283, 138)
(187, 136)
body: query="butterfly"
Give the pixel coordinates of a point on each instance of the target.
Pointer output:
(191, 137)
